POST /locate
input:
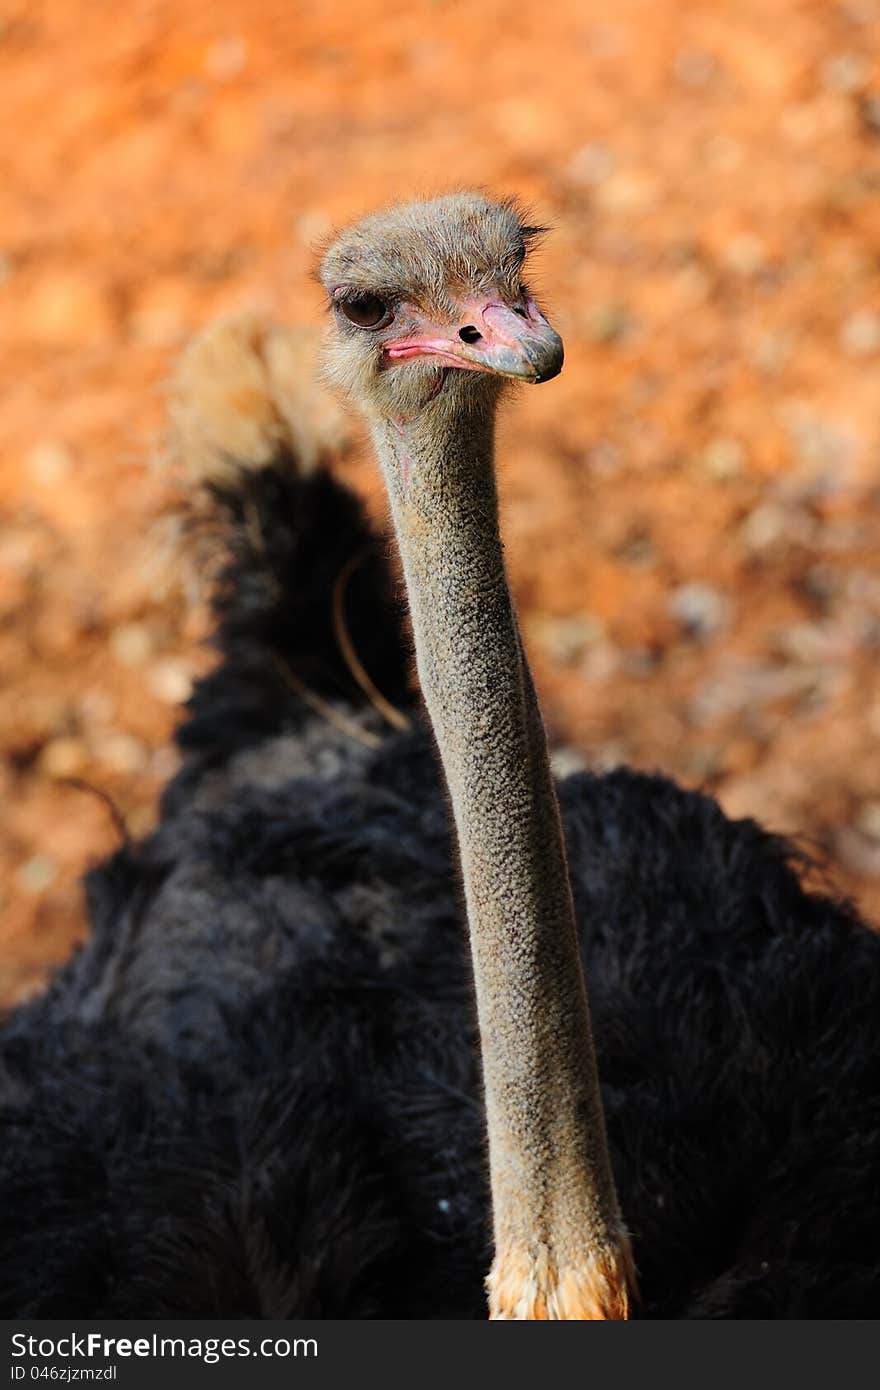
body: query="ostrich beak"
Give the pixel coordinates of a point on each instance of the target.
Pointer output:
(493, 337)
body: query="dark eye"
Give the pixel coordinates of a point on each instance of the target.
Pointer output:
(366, 310)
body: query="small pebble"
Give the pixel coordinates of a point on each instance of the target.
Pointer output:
(804, 642)
(627, 191)
(859, 853)
(50, 462)
(764, 526)
(97, 706)
(122, 752)
(566, 760)
(868, 819)
(817, 441)
(770, 351)
(601, 662)
(609, 755)
(844, 72)
(170, 682)
(37, 873)
(63, 757)
(745, 254)
(565, 640)
(132, 644)
(701, 609)
(164, 763)
(723, 458)
(860, 333)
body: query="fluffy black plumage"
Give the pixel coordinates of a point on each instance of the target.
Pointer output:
(254, 1092)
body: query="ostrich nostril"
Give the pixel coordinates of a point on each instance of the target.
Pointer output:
(470, 334)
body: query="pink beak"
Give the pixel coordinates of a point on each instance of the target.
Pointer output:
(493, 337)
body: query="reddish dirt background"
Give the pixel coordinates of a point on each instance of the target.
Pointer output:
(691, 508)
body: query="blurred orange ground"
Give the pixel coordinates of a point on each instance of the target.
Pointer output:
(691, 509)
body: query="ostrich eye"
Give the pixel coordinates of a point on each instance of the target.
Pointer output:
(365, 310)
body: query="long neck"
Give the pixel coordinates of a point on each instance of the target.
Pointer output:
(560, 1249)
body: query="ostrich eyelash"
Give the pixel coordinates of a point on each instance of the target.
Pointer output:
(345, 294)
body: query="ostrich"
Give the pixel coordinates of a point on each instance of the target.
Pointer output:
(339, 965)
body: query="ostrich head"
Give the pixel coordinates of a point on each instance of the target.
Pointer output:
(429, 298)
